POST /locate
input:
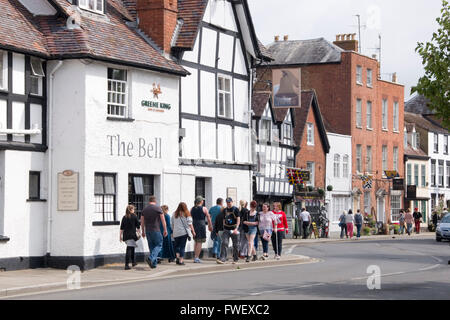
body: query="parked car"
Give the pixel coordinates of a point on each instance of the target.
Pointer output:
(443, 229)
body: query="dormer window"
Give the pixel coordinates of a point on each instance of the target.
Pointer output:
(36, 76)
(92, 5)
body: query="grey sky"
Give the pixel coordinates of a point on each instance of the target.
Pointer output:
(401, 24)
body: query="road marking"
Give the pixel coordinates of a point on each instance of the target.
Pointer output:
(289, 251)
(284, 289)
(430, 267)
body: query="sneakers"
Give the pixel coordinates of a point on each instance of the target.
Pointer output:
(277, 257)
(134, 264)
(262, 258)
(235, 261)
(218, 261)
(247, 259)
(150, 264)
(197, 260)
(127, 267)
(255, 258)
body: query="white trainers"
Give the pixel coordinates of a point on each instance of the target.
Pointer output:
(278, 257)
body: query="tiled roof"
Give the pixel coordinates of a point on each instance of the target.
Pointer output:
(259, 102)
(264, 52)
(422, 122)
(100, 37)
(304, 52)
(410, 151)
(19, 30)
(191, 11)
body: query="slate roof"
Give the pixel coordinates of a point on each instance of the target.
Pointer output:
(418, 104)
(300, 52)
(106, 38)
(410, 151)
(424, 123)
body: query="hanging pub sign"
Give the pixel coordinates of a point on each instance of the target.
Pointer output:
(398, 184)
(297, 176)
(411, 192)
(286, 88)
(391, 174)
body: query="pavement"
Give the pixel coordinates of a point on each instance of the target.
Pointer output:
(37, 281)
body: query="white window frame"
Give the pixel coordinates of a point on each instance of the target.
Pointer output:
(369, 115)
(369, 78)
(265, 134)
(337, 165)
(405, 137)
(345, 161)
(369, 159)
(310, 133)
(37, 74)
(384, 114)
(423, 175)
(287, 133)
(359, 74)
(416, 174)
(311, 167)
(358, 113)
(409, 174)
(359, 158)
(225, 93)
(86, 5)
(3, 70)
(396, 116)
(441, 176)
(384, 158)
(445, 144)
(113, 103)
(436, 143)
(395, 160)
(396, 205)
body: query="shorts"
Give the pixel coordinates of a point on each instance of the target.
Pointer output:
(201, 240)
(252, 231)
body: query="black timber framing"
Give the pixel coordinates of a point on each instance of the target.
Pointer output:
(27, 99)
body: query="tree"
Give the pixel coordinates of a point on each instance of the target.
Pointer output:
(435, 84)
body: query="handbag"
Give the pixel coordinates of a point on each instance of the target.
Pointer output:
(138, 235)
(188, 230)
(266, 236)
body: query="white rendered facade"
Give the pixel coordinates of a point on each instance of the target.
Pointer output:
(439, 170)
(339, 176)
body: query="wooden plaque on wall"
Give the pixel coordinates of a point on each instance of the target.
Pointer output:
(68, 191)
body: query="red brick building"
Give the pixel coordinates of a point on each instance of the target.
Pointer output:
(354, 101)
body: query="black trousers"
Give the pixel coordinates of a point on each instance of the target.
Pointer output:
(130, 256)
(277, 242)
(305, 229)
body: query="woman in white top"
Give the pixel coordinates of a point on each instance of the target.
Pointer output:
(182, 230)
(266, 219)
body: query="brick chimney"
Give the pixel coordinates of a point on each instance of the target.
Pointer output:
(347, 42)
(158, 20)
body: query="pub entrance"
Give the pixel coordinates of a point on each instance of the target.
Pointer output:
(140, 188)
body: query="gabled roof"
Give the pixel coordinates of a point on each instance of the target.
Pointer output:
(415, 153)
(308, 100)
(259, 102)
(192, 12)
(106, 38)
(424, 123)
(300, 52)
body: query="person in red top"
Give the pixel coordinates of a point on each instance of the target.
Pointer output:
(279, 230)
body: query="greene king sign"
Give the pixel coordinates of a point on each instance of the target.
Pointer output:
(155, 105)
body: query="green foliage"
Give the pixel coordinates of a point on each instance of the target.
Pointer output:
(330, 188)
(366, 231)
(435, 84)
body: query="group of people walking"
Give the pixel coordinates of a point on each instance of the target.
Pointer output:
(407, 219)
(167, 235)
(347, 222)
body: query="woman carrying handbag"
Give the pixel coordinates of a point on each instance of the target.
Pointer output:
(129, 233)
(183, 230)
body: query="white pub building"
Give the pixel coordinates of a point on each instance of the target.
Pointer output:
(95, 98)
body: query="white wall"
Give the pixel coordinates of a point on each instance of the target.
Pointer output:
(220, 13)
(23, 222)
(440, 156)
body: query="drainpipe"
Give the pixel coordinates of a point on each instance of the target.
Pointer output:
(249, 112)
(50, 157)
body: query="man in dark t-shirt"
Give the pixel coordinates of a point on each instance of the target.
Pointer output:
(231, 221)
(151, 218)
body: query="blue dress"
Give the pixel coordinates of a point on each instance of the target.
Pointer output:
(167, 251)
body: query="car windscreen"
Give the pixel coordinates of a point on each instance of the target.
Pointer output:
(446, 219)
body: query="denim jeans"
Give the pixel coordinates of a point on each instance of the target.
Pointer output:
(265, 243)
(216, 245)
(226, 235)
(155, 242)
(358, 230)
(408, 228)
(180, 245)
